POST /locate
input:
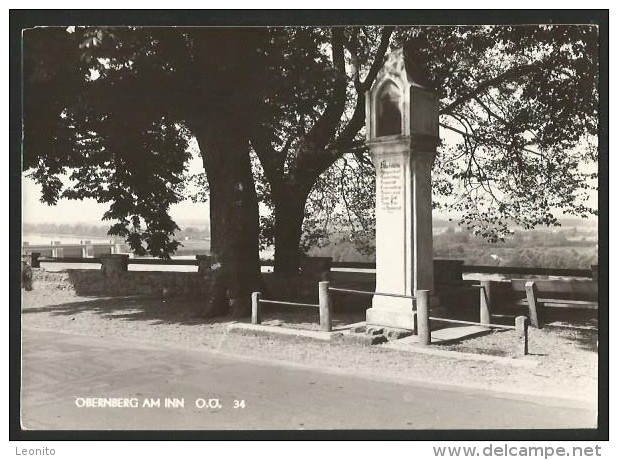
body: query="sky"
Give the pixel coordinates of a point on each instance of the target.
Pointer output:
(89, 211)
(195, 214)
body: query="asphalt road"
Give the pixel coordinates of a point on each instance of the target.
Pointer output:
(60, 371)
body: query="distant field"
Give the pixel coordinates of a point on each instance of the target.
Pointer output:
(194, 247)
(562, 247)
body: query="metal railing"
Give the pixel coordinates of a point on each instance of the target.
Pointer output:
(493, 269)
(385, 294)
(71, 260)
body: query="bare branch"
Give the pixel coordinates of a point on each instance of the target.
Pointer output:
(325, 126)
(490, 112)
(378, 61)
(271, 160)
(509, 75)
(358, 118)
(458, 131)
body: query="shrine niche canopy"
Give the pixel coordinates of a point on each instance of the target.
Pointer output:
(397, 105)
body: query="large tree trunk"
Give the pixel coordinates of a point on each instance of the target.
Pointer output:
(223, 113)
(289, 216)
(234, 220)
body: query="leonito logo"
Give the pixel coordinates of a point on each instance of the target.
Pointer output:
(41, 451)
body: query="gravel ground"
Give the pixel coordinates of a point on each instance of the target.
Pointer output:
(567, 359)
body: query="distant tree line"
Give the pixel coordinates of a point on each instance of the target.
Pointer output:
(568, 248)
(101, 231)
(77, 229)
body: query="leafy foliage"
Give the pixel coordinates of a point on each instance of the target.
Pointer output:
(115, 108)
(564, 248)
(341, 206)
(114, 148)
(523, 101)
(314, 109)
(518, 111)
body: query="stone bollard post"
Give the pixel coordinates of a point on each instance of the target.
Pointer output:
(112, 264)
(34, 260)
(325, 306)
(485, 302)
(26, 272)
(422, 318)
(521, 326)
(256, 314)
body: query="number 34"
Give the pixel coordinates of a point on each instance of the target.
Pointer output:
(239, 404)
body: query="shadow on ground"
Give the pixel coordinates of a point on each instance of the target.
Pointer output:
(131, 308)
(157, 310)
(182, 311)
(582, 338)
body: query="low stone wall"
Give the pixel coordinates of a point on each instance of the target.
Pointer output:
(97, 282)
(113, 279)
(168, 284)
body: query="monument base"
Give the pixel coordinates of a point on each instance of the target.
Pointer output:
(392, 317)
(397, 312)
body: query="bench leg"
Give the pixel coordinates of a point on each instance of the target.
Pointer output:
(534, 306)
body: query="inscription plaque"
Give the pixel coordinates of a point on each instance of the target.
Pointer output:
(391, 183)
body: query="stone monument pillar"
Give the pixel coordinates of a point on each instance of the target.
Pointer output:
(402, 133)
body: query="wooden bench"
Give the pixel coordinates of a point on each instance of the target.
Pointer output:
(541, 294)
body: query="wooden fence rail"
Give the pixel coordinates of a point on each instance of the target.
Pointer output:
(324, 306)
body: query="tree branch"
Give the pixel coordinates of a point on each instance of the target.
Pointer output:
(325, 126)
(385, 40)
(315, 161)
(358, 118)
(509, 75)
(270, 158)
(490, 112)
(458, 131)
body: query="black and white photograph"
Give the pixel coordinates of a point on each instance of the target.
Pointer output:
(357, 225)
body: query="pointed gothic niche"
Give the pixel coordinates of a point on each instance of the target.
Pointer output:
(388, 120)
(397, 105)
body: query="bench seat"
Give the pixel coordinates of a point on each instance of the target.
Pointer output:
(563, 303)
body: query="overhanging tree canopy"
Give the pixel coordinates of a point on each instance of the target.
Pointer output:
(519, 119)
(522, 98)
(116, 106)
